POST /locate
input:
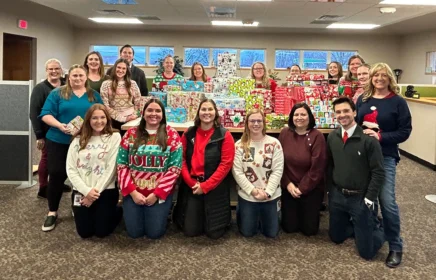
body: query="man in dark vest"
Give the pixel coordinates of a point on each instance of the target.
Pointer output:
(127, 52)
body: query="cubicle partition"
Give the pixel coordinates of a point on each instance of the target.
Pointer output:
(15, 133)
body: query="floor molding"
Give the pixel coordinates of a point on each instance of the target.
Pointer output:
(418, 160)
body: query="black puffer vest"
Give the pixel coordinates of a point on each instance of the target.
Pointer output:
(216, 202)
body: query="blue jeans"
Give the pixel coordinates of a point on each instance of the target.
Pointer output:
(252, 216)
(369, 237)
(389, 207)
(150, 221)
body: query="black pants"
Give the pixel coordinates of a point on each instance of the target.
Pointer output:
(301, 214)
(117, 125)
(101, 218)
(57, 171)
(195, 218)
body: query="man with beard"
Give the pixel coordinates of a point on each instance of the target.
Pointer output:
(355, 175)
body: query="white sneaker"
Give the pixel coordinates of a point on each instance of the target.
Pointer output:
(431, 197)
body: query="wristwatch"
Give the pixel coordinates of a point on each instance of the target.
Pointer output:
(268, 195)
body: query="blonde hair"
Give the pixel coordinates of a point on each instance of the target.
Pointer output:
(370, 89)
(265, 79)
(246, 138)
(67, 90)
(54, 60)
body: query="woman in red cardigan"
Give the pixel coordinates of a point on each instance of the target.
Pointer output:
(203, 202)
(259, 73)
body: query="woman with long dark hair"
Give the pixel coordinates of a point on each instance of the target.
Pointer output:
(149, 163)
(62, 106)
(91, 168)
(304, 150)
(203, 202)
(121, 95)
(198, 74)
(349, 84)
(384, 115)
(335, 72)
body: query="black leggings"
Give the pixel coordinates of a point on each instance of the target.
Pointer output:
(57, 171)
(101, 218)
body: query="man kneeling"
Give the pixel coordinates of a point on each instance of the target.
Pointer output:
(355, 176)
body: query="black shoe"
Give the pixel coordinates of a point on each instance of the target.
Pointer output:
(42, 193)
(66, 188)
(394, 259)
(50, 223)
(323, 207)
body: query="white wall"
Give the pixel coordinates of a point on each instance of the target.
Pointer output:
(413, 50)
(54, 36)
(373, 48)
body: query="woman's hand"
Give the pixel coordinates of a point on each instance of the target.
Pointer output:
(261, 195)
(372, 133)
(63, 127)
(150, 199)
(86, 202)
(293, 190)
(131, 118)
(138, 197)
(93, 195)
(196, 189)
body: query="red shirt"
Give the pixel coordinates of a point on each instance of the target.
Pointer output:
(273, 85)
(202, 138)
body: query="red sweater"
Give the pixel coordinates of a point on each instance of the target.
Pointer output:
(272, 87)
(305, 159)
(202, 137)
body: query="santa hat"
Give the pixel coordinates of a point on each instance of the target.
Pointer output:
(370, 120)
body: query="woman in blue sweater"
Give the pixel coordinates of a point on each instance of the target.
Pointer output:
(63, 105)
(384, 114)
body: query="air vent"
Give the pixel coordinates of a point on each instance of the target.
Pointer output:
(110, 12)
(333, 18)
(220, 12)
(147, 17)
(323, 22)
(120, 2)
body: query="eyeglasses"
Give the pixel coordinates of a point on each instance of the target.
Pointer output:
(255, 121)
(257, 69)
(53, 69)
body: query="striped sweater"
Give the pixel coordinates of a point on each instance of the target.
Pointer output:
(149, 169)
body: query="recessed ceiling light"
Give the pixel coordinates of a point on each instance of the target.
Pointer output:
(233, 23)
(352, 26)
(116, 20)
(408, 2)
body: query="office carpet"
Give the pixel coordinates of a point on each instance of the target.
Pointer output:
(28, 253)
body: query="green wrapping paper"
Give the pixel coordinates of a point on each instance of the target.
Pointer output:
(241, 87)
(254, 101)
(276, 121)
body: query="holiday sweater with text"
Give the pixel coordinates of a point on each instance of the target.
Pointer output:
(262, 168)
(119, 104)
(149, 169)
(161, 80)
(95, 165)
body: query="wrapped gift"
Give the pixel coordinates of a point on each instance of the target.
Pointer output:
(332, 91)
(276, 121)
(208, 87)
(230, 103)
(192, 86)
(268, 102)
(233, 118)
(241, 86)
(162, 96)
(283, 99)
(75, 124)
(320, 104)
(220, 85)
(254, 102)
(174, 82)
(178, 99)
(176, 115)
(226, 65)
(172, 88)
(188, 100)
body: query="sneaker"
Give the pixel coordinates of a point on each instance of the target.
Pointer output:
(42, 193)
(66, 188)
(50, 223)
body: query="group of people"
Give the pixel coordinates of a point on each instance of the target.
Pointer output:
(280, 182)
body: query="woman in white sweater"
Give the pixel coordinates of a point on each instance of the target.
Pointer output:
(257, 169)
(91, 168)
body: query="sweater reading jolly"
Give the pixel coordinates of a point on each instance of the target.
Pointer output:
(149, 169)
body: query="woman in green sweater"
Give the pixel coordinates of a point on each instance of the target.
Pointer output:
(94, 67)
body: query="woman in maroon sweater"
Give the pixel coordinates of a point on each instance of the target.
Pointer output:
(203, 202)
(304, 150)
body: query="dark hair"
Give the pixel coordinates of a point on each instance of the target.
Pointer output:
(100, 69)
(340, 70)
(114, 78)
(216, 120)
(291, 124)
(142, 135)
(299, 68)
(349, 76)
(127, 46)
(344, 99)
(203, 77)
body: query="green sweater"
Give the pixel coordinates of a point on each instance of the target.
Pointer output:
(355, 165)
